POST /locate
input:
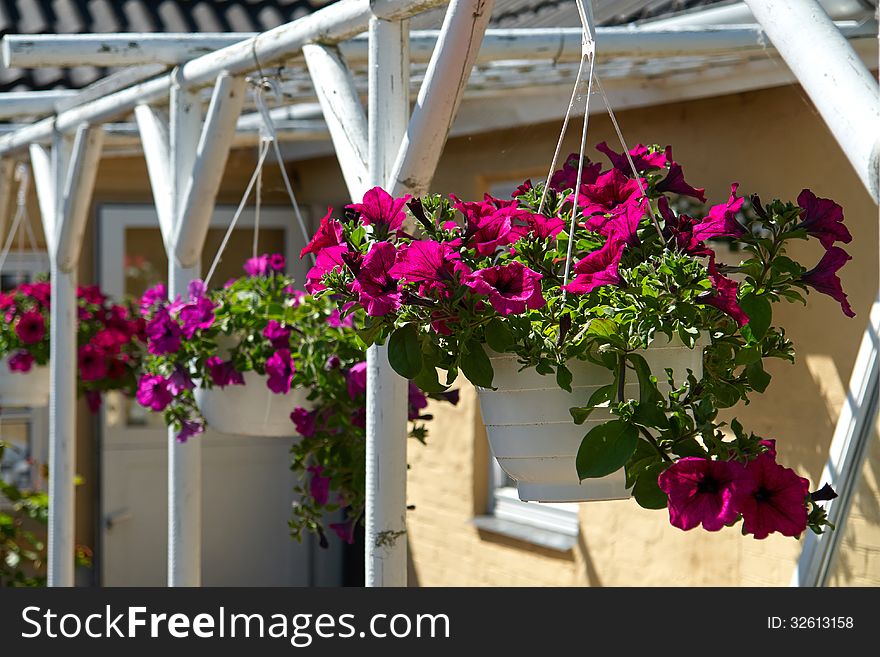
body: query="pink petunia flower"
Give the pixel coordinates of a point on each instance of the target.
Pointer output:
(377, 289)
(92, 362)
(773, 499)
(329, 233)
(721, 220)
(328, 260)
(277, 335)
(822, 218)
(188, 429)
(163, 333)
(93, 400)
(724, 297)
(597, 269)
(155, 295)
(319, 485)
(279, 372)
(641, 157)
(702, 491)
(381, 210)
(357, 380)
(344, 530)
(416, 401)
(91, 294)
(304, 421)
(153, 392)
(31, 327)
(566, 177)
(675, 183)
(823, 277)
(223, 373)
(21, 361)
(196, 316)
(511, 288)
(611, 190)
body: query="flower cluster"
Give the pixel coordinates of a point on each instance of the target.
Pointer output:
(261, 323)
(510, 275)
(110, 337)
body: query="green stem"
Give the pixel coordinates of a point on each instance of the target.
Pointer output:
(621, 382)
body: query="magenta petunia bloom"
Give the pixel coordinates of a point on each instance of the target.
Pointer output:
(179, 381)
(344, 530)
(31, 327)
(277, 263)
(91, 294)
(6, 300)
(153, 392)
(258, 266)
(277, 335)
(511, 288)
(488, 226)
(319, 485)
(701, 491)
(378, 290)
(625, 221)
(41, 292)
(381, 210)
(336, 320)
(721, 220)
(724, 297)
(566, 177)
(196, 316)
(223, 373)
(597, 269)
(416, 401)
(21, 361)
(433, 264)
(773, 500)
(279, 372)
(822, 218)
(543, 227)
(163, 333)
(674, 183)
(357, 380)
(641, 157)
(304, 421)
(92, 362)
(155, 295)
(329, 233)
(523, 189)
(196, 289)
(823, 277)
(111, 339)
(611, 190)
(188, 429)
(328, 260)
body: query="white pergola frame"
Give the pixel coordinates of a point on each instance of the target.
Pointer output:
(186, 153)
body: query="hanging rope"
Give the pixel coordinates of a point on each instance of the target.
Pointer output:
(20, 223)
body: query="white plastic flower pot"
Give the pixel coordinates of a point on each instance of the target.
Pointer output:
(24, 388)
(533, 436)
(251, 409)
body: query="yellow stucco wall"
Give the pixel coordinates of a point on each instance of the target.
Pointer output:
(773, 143)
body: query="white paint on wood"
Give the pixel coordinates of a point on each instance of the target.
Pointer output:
(154, 132)
(343, 113)
(79, 182)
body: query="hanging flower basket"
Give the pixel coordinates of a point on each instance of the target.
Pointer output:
(599, 295)
(530, 428)
(110, 340)
(250, 409)
(17, 388)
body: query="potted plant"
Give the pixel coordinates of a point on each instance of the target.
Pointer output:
(645, 332)
(110, 340)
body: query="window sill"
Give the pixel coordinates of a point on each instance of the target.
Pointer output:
(546, 538)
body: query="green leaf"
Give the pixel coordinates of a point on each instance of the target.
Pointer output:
(748, 355)
(648, 392)
(759, 312)
(476, 365)
(647, 491)
(602, 327)
(498, 335)
(606, 449)
(758, 378)
(563, 377)
(405, 351)
(602, 395)
(580, 413)
(370, 333)
(428, 380)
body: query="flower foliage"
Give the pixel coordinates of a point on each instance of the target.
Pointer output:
(110, 337)
(261, 323)
(460, 277)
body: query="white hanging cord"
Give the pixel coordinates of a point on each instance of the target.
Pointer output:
(629, 159)
(269, 127)
(20, 221)
(264, 151)
(257, 202)
(588, 50)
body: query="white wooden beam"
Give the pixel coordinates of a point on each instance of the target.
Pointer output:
(31, 103)
(343, 113)
(197, 204)
(849, 447)
(843, 90)
(44, 183)
(154, 130)
(440, 95)
(7, 175)
(79, 182)
(386, 541)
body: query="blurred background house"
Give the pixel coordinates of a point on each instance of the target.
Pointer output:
(733, 116)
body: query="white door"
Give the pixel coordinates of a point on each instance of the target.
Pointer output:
(247, 484)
